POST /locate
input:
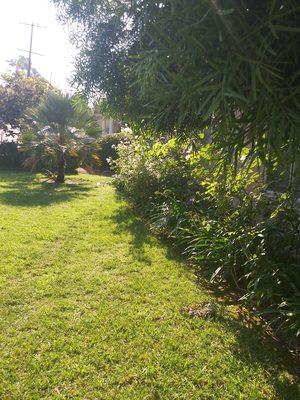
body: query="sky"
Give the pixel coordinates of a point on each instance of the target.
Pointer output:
(52, 40)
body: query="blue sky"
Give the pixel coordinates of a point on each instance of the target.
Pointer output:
(53, 41)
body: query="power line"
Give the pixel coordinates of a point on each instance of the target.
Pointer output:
(30, 52)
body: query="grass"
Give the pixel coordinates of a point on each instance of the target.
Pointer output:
(90, 308)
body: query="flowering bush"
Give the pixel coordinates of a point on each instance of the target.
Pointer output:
(108, 144)
(147, 172)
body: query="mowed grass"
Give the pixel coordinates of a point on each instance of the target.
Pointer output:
(90, 308)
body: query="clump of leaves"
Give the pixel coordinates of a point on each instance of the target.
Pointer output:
(207, 309)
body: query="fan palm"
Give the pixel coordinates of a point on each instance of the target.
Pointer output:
(64, 125)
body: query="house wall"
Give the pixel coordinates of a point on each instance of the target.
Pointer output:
(108, 125)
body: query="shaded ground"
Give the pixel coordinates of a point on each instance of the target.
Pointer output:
(90, 308)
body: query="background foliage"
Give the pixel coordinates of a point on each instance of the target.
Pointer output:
(19, 94)
(10, 156)
(108, 144)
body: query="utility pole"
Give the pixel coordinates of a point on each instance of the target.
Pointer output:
(30, 52)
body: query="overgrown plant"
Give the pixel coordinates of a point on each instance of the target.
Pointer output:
(227, 223)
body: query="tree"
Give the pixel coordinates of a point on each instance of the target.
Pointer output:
(21, 64)
(19, 94)
(63, 125)
(185, 65)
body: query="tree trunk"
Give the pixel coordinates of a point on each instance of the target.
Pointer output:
(61, 166)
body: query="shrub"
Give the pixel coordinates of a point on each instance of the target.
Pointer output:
(10, 157)
(226, 223)
(108, 147)
(146, 172)
(253, 245)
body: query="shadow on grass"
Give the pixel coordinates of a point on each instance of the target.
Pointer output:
(21, 190)
(126, 221)
(252, 346)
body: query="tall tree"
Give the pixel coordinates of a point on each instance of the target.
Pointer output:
(183, 65)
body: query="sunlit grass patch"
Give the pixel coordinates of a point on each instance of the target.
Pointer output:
(91, 308)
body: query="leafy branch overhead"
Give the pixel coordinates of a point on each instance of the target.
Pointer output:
(232, 66)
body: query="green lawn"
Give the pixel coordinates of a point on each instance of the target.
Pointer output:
(90, 308)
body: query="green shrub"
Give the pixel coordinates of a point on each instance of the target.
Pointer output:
(10, 157)
(253, 246)
(108, 147)
(147, 171)
(226, 223)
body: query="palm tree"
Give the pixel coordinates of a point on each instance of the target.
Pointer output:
(63, 125)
